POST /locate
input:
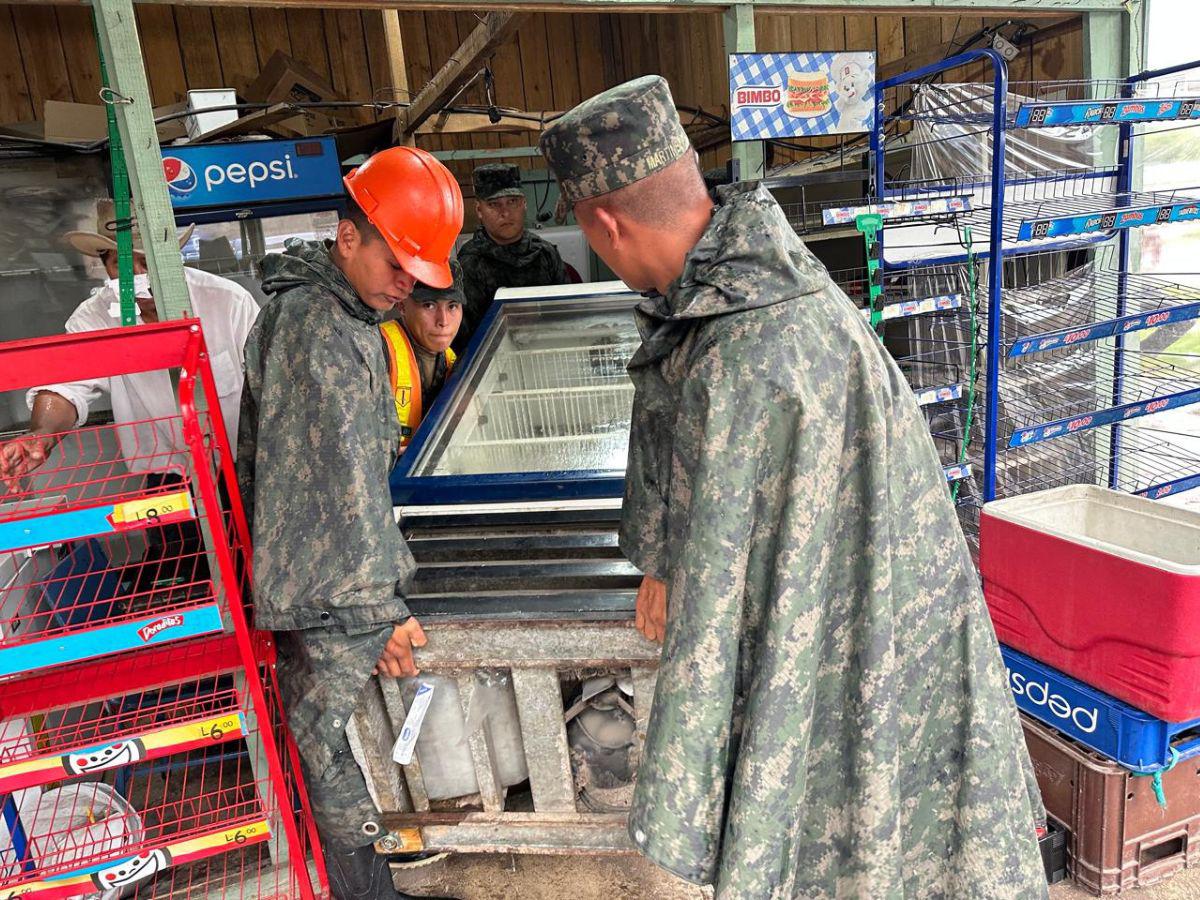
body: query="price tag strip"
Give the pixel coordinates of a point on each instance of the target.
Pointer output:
(57, 527)
(893, 210)
(115, 874)
(1186, 210)
(153, 744)
(1069, 337)
(1103, 112)
(134, 634)
(932, 396)
(1049, 430)
(909, 308)
(956, 473)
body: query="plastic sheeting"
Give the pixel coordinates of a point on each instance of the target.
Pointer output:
(952, 136)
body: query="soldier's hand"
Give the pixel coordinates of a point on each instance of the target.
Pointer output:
(20, 456)
(651, 608)
(397, 658)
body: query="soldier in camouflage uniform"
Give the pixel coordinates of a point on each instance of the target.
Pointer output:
(318, 437)
(832, 718)
(503, 252)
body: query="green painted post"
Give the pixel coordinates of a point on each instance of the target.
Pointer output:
(739, 38)
(129, 95)
(120, 189)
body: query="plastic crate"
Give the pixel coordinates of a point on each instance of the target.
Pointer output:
(1119, 835)
(1103, 586)
(1135, 739)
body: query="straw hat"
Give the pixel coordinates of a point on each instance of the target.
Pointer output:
(93, 243)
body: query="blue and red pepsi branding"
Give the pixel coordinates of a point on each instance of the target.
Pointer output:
(1109, 220)
(1034, 115)
(251, 172)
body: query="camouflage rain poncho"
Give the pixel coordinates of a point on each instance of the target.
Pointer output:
(831, 718)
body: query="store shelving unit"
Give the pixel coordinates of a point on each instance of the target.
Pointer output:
(1046, 180)
(142, 748)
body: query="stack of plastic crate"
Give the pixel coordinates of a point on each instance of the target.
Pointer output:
(142, 750)
(1095, 595)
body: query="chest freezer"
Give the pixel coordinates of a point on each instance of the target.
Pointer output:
(539, 408)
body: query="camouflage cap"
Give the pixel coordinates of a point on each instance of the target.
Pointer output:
(422, 292)
(613, 139)
(497, 180)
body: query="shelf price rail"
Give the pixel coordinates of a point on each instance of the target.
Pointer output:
(142, 744)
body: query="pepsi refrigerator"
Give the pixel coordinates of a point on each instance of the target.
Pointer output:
(247, 198)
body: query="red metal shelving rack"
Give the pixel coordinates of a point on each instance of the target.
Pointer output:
(142, 745)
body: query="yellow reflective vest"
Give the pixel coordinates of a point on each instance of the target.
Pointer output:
(406, 378)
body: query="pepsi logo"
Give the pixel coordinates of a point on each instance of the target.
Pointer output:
(181, 178)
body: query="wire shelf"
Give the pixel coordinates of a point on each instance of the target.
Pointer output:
(1081, 306)
(1150, 462)
(1045, 104)
(554, 368)
(1055, 204)
(1075, 392)
(80, 741)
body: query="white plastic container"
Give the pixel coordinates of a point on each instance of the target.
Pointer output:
(200, 100)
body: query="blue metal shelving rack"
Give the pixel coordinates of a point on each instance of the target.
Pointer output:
(1062, 381)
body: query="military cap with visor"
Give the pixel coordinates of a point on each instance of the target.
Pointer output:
(497, 180)
(614, 139)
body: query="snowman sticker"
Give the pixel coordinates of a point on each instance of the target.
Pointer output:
(853, 85)
(131, 870)
(106, 756)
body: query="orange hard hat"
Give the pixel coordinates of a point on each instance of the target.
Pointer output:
(417, 206)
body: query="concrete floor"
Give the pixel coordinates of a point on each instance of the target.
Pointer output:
(527, 877)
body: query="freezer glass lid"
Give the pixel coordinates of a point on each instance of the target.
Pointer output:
(546, 391)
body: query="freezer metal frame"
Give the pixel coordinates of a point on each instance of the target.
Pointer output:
(410, 488)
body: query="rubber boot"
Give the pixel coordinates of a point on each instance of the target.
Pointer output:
(359, 873)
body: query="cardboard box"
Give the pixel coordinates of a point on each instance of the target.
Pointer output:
(71, 123)
(287, 80)
(85, 123)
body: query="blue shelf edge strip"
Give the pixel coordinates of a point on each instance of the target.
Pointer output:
(1045, 115)
(1023, 437)
(1118, 218)
(1178, 486)
(144, 631)
(1069, 337)
(1135, 739)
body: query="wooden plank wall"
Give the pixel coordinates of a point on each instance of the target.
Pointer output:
(556, 59)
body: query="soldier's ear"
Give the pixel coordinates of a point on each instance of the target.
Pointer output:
(608, 224)
(347, 237)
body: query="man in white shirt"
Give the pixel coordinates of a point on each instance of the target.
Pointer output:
(226, 312)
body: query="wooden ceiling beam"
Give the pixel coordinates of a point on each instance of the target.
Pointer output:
(461, 67)
(881, 7)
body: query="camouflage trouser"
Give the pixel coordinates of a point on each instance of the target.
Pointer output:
(322, 673)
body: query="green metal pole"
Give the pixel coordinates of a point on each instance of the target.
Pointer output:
(739, 38)
(128, 96)
(120, 186)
